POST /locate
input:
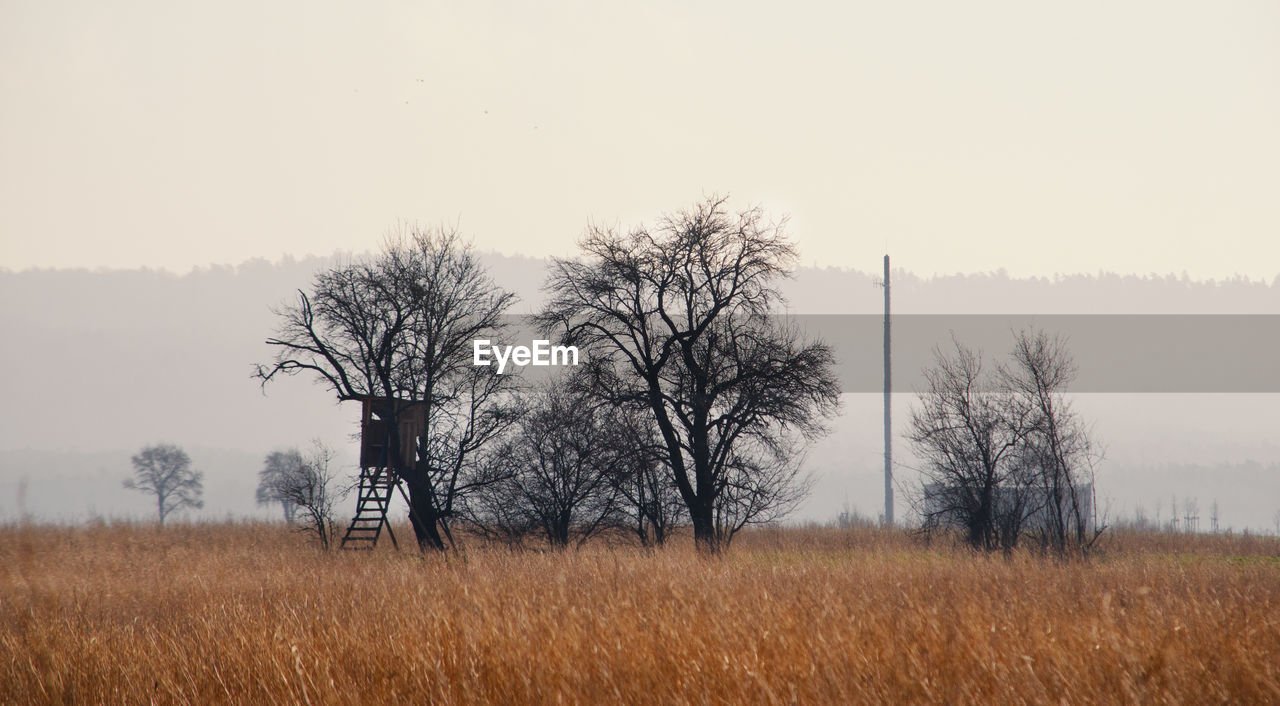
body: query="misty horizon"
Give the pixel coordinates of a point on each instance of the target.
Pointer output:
(120, 342)
(999, 271)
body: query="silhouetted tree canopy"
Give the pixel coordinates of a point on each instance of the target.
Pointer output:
(676, 320)
(557, 470)
(400, 326)
(1003, 451)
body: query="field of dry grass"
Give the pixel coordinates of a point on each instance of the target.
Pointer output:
(251, 614)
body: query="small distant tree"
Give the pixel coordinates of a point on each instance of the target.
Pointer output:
(277, 465)
(306, 483)
(164, 470)
(1191, 515)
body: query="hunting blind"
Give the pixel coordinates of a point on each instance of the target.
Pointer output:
(381, 465)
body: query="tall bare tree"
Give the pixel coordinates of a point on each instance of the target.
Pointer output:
(400, 327)
(164, 470)
(1058, 449)
(677, 322)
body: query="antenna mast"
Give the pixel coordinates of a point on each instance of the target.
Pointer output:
(888, 427)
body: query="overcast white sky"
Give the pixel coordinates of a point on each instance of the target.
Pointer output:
(1065, 137)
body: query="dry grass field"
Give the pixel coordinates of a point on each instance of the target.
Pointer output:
(251, 614)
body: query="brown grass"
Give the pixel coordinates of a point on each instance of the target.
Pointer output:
(250, 614)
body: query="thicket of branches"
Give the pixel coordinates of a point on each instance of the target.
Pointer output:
(574, 468)
(695, 401)
(694, 405)
(304, 485)
(1005, 456)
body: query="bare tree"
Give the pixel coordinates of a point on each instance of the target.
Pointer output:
(677, 322)
(401, 327)
(650, 500)
(576, 467)
(763, 482)
(557, 470)
(306, 483)
(1004, 451)
(275, 466)
(164, 470)
(1058, 450)
(968, 434)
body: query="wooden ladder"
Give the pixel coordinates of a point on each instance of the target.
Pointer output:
(374, 499)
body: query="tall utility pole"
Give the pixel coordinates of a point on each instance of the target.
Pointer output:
(888, 390)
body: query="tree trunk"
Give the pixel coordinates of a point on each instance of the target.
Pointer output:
(982, 524)
(704, 528)
(702, 511)
(560, 540)
(424, 517)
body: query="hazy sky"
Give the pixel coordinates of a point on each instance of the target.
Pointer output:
(1127, 136)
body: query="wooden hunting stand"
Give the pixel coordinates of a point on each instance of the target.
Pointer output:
(380, 465)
